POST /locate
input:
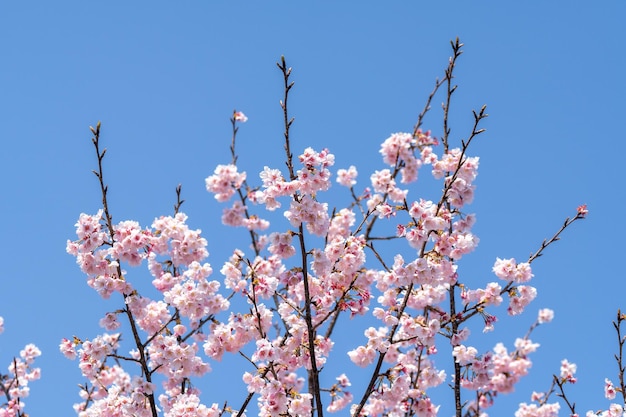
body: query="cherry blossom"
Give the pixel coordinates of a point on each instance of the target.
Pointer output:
(277, 306)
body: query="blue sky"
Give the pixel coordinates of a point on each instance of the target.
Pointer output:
(164, 77)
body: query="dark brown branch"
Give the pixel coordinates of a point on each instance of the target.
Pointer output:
(109, 223)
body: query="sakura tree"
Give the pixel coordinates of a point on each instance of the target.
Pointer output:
(296, 279)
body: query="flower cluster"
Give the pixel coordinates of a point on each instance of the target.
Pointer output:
(225, 181)
(303, 280)
(14, 385)
(174, 255)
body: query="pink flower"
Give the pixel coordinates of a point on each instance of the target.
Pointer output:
(300, 405)
(239, 117)
(609, 389)
(533, 410)
(510, 270)
(109, 322)
(280, 245)
(567, 371)
(459, 337)
(339, 402)
(504, 268)
(311, 212)
(68, 349)
(347, 178)
(362, 356)
(224, 182)
(520, 298)
(385, 211)
(582, 210)
(234, 216)
(343, 381)
(545, 316)
(464, 355)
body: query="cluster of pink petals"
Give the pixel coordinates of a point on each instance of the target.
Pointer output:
(188, 405)
(174, 253)
(15, 384)
(411, 296)
(402, 147)
(274, 187)
(534, 410)
(236, 216)
(347, 177)
(313, 177)
(510, 270)
(495, 372)
(225, 181)
(615, 410)
(459, 173)
(489, 296)
(545, 316)
(310, 212)
(238, 116)
(129, 241)
(383, 183)
(520, 297)
(568, 370)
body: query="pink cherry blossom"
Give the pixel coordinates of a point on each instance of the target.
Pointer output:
(510, 270)
(363, 355)
(225, 181)
(347, 177)
(238, 116)
(281, 301)
(520, 298)
(545, 316)
(534, 410)
(464, 355)
(567, 371)
(609, 389)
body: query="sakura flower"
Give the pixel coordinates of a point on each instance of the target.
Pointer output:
(188, 405)
(520, 299)
(238, 116)
(545, 316)
(224, 182)
(347, 177)
(343, 381)
(459, 337)
(280, 245)
(300, 405)
(510, 270)
(533, 410)
(362, 356)
(609, 389)
(567, 371)
(382, 181)
(68, 349)
(109, 321)
(234, 216)
(385, 211)
(464, 355)
(309, 211)
(339, 402)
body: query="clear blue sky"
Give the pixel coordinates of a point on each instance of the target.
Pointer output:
(164, 77)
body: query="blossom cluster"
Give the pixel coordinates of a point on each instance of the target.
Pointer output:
(14, 385)
(290, 291)
(174, 254)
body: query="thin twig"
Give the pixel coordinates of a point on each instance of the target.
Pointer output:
(143, 360)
